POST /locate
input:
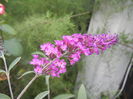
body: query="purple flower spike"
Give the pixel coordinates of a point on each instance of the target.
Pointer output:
(75, 45)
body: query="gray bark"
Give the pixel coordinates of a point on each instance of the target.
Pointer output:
(104, 73)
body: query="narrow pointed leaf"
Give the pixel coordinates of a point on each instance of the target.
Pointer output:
(42, 95)
(7, 28)
(2, 71)
(82, 92)
(26, 73)
(14, 63)
(39, 53)
(3, 96)
(64, 96)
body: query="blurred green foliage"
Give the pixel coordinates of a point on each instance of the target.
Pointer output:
(39, 29)
(41, 21)
(126, 39)
(21, 9)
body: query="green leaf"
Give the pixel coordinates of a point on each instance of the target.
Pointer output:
(7, 28)
(42, 95)
(3, 96)
(39, 53)
(104, 97)
(2, 71)
(13, 47)
(28, 72)
(82, 92)
(14, 63)
(65, 96)
(6, 0)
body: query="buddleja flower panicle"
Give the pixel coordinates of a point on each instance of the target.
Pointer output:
(75, 45)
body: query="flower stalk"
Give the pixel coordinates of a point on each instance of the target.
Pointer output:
(8, 75)
(27, 86)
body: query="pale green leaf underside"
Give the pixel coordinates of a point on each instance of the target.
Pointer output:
(2, 71)
(7, 28)
(3, 96)
(82, 92)
(13, 47)
(26, 73)
(42, 95)
(39, 53)
(14, 63)
(64, 96)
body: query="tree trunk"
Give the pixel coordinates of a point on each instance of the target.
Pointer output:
(103, 74)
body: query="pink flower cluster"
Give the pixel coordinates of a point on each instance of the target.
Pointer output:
(56, 67)
(73, 46)
(2, 9)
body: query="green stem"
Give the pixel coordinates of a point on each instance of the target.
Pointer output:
(10, 87)
(27, 86)
(48, 87)
(8, 75)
